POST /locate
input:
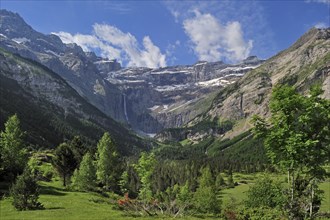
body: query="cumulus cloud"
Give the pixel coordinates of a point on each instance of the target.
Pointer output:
(251, 16)
(213, 41)
(89, 43)
(115, 44)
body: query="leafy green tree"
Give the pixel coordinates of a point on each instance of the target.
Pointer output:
(205, 197)
(25, 192)
(107, 162)
(13, 155)
(64, 162)
(265, 193)
(124, 182)
(145, 169)
(297, 139)
(84, 178)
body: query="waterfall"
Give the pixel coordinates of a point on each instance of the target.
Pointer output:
(125, 108)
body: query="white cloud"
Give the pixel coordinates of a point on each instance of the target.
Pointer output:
(250, 15)
(213, 41)
(89, 43)
(321, 25)
(115, 44)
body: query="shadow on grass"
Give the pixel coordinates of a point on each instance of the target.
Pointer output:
(50, 190)
(54, 208)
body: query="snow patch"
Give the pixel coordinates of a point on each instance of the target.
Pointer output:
(200, 64)
(153, 108)
(170, 72)
(172, 87)
(52, 52)
(21, 40)
(238, 69)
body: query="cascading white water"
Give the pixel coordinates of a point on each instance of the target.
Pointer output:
(125, 109)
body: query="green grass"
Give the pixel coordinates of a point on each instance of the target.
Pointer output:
(63, 204)
(325, 205)
(60, 203)
(239, 192)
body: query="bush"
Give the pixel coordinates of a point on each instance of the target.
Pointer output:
(265, 193)
(25, 192)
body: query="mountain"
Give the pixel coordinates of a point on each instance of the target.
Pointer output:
(50, 110)
(148, 100)
(79, 69)
(171, 96)
(305, 63)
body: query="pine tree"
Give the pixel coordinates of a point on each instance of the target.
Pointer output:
(205, 197)
(25, 192)
(107, 162)
(230, 180)
(145, 169)
(78, 148)
(64, 162)
(219, 181)
(84, 178)
(13, 156)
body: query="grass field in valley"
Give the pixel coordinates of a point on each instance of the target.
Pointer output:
(60, 203)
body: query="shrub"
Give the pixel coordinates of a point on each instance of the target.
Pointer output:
(25, 192)
(265, 193)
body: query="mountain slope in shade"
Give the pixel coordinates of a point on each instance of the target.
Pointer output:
(50, 110)
(79, 69)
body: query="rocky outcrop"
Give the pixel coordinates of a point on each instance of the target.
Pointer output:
(306, 62)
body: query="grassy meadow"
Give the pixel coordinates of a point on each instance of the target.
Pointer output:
(61, 203)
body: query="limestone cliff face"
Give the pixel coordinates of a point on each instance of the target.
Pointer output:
(170, 97)
(304, 63)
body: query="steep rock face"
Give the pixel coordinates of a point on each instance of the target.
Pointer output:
(306, 62)
(79, 69)
(50, 109)
(170, 97)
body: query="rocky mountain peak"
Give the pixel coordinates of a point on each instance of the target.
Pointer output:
(12, 25)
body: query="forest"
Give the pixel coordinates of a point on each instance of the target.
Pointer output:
(277, 170)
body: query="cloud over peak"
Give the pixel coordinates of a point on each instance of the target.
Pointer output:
(213, 41)
(115, 44)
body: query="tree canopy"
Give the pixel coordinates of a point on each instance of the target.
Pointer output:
(13, 155)
(297, 138)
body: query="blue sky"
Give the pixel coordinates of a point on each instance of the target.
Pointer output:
(160, 33)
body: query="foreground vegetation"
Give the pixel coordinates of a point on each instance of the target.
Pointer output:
(98, 180)
(61, 203)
